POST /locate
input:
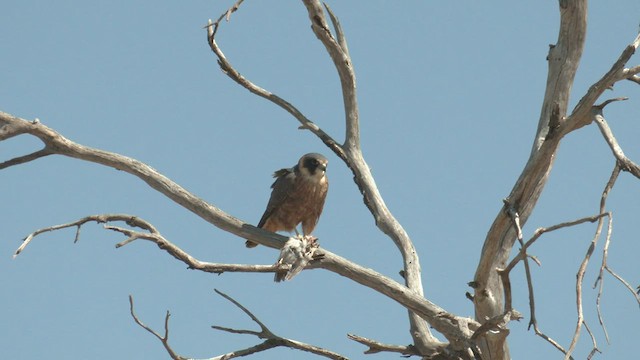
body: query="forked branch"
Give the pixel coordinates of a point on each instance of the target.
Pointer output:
(624, 162)
(272, 340)
(164, 339)
(349, 151)
(451, 326)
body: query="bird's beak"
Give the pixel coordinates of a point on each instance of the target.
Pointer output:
(323, 167)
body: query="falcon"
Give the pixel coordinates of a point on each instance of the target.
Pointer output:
(297, 197)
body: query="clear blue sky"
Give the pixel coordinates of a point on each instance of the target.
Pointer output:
(449, 95)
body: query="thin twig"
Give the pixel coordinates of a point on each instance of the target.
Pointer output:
(580, 115)
(583, 266)
(342, 40)
(235, 75)
(163, 339)
(272, 338)
(26, 158)
(540, 231)
(549, 340)
(225, 15)
(377, 347)
(626, 164)
(605, 250)
(523, 256)
(635, 293)
(265, 330)
(101, 218)
(595, 349)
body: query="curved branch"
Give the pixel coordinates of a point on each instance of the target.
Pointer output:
(273, 340)
(457, 329)
(626, 164)
(582, 111)
(164, 339)
(342, 61)
(232, 73)
(350, 151)
(60, 145)
(563, 59)
(103, 218)
(386, 222)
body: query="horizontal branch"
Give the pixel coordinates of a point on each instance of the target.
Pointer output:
(377, 347)
(452, 327)
(102, 218)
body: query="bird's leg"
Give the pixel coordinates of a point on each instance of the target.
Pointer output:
(311, 245)
(312, 241)
(297, 233)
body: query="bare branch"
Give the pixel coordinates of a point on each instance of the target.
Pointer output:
(625, 163)
(342, 40)
(451, 326)
(564, 58)
(595, 349)
(522, 256)
(633, 71)
(163, 339)
(540, 231)
(192, 262)
(272, 338)
(549, 339)
(497, 324)
(102, 218)
(235, 75)
(344, 67)
(386, 222)
(636, 294)
(635, 79)
(350, 151)
(264, 330)
(377, 347)
(605, 250)
(583, 266)
(26, 158)
(580, 115)
(13, 126)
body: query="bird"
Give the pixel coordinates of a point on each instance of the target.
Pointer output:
(297, 196)
(296, 252)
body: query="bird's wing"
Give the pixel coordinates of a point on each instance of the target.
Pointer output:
(282, 188)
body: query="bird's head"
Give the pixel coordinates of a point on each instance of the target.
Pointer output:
(313, 165)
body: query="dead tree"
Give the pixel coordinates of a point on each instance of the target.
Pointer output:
(484, 337)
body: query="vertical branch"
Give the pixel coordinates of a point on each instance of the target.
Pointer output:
(563, 60)
(386, 222)
(339, 54)
(585, 261)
